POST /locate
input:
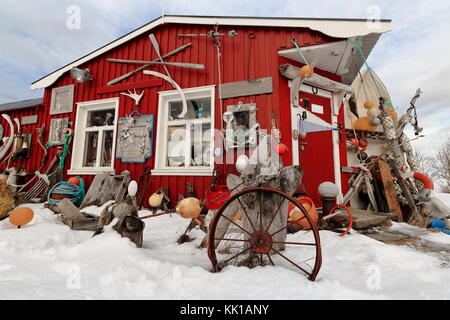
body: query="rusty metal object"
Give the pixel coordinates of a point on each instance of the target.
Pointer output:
(40, 138)
(257, 246)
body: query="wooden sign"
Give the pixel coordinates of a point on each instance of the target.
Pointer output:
(29, 120)
(246, 88)
(62, 100)
(57, 128)
(135, 136)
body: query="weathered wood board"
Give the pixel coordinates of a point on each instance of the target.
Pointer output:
(246, 88)
(29, 120)
(389, 189)
(106, 187)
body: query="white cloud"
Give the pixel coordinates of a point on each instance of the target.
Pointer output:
(36, 41)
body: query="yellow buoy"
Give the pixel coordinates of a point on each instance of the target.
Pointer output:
(369, 104)
(189, 208)
(364, 124)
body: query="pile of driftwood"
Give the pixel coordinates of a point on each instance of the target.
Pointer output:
(123, 206)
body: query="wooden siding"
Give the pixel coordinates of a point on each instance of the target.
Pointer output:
(241, 58)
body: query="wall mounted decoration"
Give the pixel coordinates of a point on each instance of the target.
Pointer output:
(57, 129)
(29, 120)
(62, 100)
(246, 88)
(135, 96)
(135, 136)
(241, 125)
(147, 65)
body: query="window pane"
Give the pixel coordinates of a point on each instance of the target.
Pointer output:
(197, 109)
(90, 149)
(107, 148)
(176, 146)
(100, 118)
(201, 145)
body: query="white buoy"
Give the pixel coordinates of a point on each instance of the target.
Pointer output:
(242, 163)
(132, 188)
(328, 190)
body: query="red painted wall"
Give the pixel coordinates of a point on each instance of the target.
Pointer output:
(241, 59)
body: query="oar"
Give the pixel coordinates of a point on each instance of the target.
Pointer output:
(129, 74)
(158, 51)
(177, 64)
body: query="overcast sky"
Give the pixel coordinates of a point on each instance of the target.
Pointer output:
(35, 40)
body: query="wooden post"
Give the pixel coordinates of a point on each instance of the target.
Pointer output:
(389, 190)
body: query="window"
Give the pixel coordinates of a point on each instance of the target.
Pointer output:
(95, 137)
(185, 145)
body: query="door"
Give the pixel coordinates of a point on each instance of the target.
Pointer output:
(314, 153)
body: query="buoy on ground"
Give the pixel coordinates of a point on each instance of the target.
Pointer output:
(21, 216)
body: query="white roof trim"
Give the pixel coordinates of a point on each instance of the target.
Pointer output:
(338, 28)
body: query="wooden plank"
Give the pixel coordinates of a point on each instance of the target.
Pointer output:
(122, 186)
(69, 211)
(29, 120)
(93, 195)
(246, 88)
(131, 85)
(389, 189)
(85, 223)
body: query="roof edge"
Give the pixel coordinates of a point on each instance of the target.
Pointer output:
(337, 28)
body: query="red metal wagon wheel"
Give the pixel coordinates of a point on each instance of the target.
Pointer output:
(258, 238)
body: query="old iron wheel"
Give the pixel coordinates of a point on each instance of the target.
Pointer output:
(260, 242)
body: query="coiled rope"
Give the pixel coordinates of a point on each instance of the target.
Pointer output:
(74, 192)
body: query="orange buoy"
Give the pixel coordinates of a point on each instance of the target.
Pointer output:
(280, 148)
(392, 113)
(74, 180)
(306, 71)
(364, 124)
(21, 216)
(297, 216)
(369, 105)
(189, 208)
(237, 217)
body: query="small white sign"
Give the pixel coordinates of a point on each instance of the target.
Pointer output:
(317, 108)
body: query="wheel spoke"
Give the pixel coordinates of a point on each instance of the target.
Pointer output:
(260, 210)
(226, 239)
(295, 243)
(226, 218)
(292, 262)
(276, 213)
(284, 228)
(245, 212)
(235, 256)
(270, 258)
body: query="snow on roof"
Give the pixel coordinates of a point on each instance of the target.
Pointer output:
(337, 28)
(20, 104)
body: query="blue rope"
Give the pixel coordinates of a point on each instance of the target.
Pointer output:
(76, 193)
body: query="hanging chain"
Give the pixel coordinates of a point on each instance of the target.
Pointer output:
(218, 45)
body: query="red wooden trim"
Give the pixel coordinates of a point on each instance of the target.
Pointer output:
(129, 86)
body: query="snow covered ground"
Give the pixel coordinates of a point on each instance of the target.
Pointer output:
(46, 260)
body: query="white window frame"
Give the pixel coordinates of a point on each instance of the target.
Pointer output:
(83, 108)
(165, 97)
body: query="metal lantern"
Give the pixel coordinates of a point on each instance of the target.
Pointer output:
(80, 75)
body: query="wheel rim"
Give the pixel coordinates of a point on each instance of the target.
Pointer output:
(256, 239)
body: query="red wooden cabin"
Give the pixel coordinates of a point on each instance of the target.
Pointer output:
(259, 48)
